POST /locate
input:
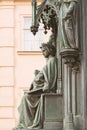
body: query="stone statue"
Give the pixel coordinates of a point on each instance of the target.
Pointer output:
(67, 27)
(44, 82)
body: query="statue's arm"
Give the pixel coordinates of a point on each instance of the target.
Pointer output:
(71, 7)
(70, 10)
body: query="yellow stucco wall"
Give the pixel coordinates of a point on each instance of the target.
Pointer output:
(16, 66)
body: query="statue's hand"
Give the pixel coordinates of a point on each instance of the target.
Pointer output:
(45, 89)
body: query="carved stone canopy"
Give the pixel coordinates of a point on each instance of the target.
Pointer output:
(47, 14)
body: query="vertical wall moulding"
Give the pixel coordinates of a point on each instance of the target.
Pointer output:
(70, 56)
(84, 62)
(7, 43)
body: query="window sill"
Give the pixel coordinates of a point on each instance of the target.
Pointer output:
(29, 53)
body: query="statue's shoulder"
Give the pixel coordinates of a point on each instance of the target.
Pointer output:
(52, 59)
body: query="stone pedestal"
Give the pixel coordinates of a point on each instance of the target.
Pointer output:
(52, 111)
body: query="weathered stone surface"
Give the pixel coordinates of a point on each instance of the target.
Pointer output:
(52, 107)
(52, 111)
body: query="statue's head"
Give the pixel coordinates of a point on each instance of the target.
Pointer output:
(48, 49)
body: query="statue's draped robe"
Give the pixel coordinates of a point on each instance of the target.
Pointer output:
(68, 29)
(30, 107)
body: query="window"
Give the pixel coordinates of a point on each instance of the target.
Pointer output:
(31, 42)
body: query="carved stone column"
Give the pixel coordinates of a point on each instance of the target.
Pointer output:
(70, 56)
(74, 90)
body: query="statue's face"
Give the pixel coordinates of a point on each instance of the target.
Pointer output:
(45, 52)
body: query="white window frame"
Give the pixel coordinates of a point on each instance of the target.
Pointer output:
(22, 34)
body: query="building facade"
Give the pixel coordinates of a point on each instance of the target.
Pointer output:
(17, 63)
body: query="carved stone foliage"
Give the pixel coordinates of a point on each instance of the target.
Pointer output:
(71, 57)
(49, 18)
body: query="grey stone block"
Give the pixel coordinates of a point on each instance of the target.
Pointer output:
(52, 112)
